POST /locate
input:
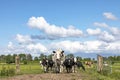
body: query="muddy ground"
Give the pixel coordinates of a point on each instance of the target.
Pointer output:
(49, 76)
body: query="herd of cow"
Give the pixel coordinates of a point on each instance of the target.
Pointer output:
(59, 63)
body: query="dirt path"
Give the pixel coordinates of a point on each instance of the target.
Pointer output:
(49, 76)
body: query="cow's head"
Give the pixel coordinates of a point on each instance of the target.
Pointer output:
(58, 53)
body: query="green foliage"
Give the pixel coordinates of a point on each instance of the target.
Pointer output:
(70, 55)
(50, 56)
(87, 59)
(106, 71)
(25, 62)
(9, 59)
(29, 57)
(115, 75)
(79, 58)
(36, 59)
(3, 71)
(42, 56)
(22, 56)
(7, 72)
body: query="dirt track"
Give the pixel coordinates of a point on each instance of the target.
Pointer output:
(49, 76)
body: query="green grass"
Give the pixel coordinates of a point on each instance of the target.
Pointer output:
(90, 73)
(31, 68)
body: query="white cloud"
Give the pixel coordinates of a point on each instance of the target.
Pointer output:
(115, 30)
(93, 46)
(97, 31)
(68, 46)
(110, 16)
(37, 48)
(115, 46)
(33, 49)
(53, 30)
(10, 45)
(105, 36)
(23, 38)
(100, 24)
(38, 22)
(77, 46)
(107, 41)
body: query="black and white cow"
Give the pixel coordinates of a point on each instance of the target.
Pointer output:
(79, 64)
(46, 64)
(71, 64)
(68, 63)
(58, 58)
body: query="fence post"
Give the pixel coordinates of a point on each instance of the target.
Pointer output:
(99, 63)
(17, 62)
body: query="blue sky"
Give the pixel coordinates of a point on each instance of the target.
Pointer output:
(66, 22)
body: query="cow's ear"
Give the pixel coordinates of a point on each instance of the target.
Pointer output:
(62, 51)
(54, 52)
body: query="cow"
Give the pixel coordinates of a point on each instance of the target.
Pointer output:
(88, 63)
(43, 63)
(58, 58)
(79, 64)
(71, 64)
(46, 64)
(68, 63)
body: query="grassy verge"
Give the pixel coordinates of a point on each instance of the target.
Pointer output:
(7, 70)
(107, 74)
(89, 74)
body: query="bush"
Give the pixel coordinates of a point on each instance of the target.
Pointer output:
(115, 75)
(3, 71)
(25, 62)
(11, 72)
(106, 71)
(7, 72)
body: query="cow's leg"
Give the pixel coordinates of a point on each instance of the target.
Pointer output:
(73, 69)
(45, 69)
(67, 70)
(57, 69)
(61, 68)
(83, 67)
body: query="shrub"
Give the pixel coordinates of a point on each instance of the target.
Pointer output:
(11, 72)
(25, 62)
(115, 75)
(3, 71)
(106, 71)
(7, 72)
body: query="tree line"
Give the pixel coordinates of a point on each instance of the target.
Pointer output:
(28, 57)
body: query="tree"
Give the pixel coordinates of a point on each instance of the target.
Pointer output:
(79, 58)
(50, 56)
(13, 59)
(2, 58)
(29, 57)
(36, 59)
(42, 56)
(87, 59)
(22, 56)
(70, 55)
(118, 58)
(9, 59)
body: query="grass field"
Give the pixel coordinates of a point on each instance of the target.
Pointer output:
(31, 68)
(34, 68)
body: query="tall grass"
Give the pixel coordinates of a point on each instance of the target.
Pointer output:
(31, 68)
(90, 73)
(108, 73)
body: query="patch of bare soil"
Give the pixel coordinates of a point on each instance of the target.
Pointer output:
(49, 76)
